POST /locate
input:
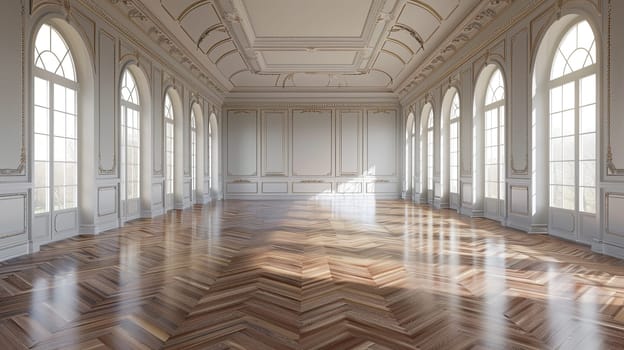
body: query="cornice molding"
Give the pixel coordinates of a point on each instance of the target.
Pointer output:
(145, 22)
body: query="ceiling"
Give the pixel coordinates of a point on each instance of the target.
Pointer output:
(301, 45)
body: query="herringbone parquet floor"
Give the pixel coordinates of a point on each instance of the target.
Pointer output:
(333, 274)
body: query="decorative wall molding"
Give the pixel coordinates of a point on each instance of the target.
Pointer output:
(20, 168)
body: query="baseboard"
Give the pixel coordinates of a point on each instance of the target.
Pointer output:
(14, 250)
(389, 196)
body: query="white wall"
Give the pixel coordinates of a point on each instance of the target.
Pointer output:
(511, 42)
(102, 49)
(286, 151)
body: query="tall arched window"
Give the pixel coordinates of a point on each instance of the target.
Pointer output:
(454, 145)
(169, 153)
(55, 126)
(430, 155)
(193, 156)
(495, 137)
(573, 122)
(130, 146)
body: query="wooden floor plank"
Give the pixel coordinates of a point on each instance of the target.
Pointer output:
(324, 274)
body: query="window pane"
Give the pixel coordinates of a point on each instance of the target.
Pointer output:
(568, 148)
(42, 175)
(568, 198)
(587, 200)
(587, 175)
(587, 149)
(40, 200)
(41, 147)
(41, 92)
(588, 119)
(568, 173)
(555, 99)
(568, 123)
(568, 96)
(555, 124)
(59, 149)
(59, 124)
(588, 90)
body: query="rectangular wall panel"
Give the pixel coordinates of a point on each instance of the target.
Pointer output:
(312, 143)
(349, 143)
(615, 219)
(242, 145)
(381, 143)
(107, 200)
(275, 187)
(274, 143)
(157, 124)
(13, 218)
(382, 187)
(519, 200)
(349, 187)
(519, 118)
(107, 116)
(13, 151)
(242, 187)
(312, 187)
(616, 89)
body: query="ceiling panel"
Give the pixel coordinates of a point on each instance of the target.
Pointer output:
(305, 18)
(380, 45)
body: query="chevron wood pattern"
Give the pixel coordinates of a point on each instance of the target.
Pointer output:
(334, 274)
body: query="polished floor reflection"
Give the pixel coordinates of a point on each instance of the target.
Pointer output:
(334, 274)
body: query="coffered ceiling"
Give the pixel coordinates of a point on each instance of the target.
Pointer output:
(301, 45)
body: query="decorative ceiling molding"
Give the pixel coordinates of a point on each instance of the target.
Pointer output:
(471, 27)
(379, 46)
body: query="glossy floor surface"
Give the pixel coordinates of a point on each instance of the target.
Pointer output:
(330, 274)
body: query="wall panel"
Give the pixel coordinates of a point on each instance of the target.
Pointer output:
(12, 132)
(381, 143)
(274, 143)
(349, 143)
(312, 143)
(107, 125)
(241, 141)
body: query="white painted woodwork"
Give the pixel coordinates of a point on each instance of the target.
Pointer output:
(381, 143)
(275, 187)
(12, 154)
(242, 187)
(349, 143)
(312, 143)
(274, 143)
(312, 188)
(107, 123)
(242, 143)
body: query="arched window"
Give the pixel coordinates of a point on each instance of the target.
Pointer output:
(130, 146)
(430, 155)
(454, 145)
(55, 125)
(495, 137)
(572, 123)
(193, 155)
(169, 152)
